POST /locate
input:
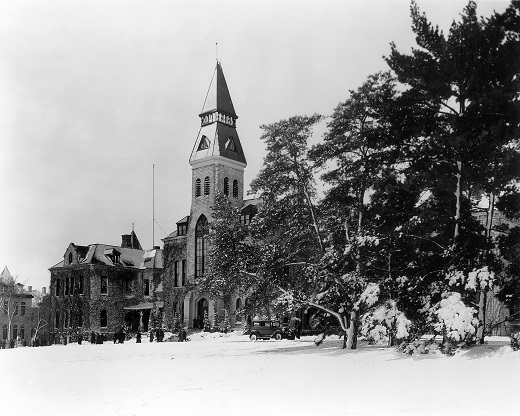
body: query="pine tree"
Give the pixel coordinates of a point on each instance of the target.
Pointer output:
(459, 116)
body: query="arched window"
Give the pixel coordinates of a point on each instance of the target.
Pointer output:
(226, 186)
(230, 144)
(103, 320)
(201, 246)
(204, 143)
(206, 185)
(197, 187)
(235, 189)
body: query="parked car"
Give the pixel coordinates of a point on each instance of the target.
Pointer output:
(266, 329)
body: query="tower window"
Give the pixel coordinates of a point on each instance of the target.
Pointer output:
(104, 285)
(197, 188)
(235, 189)
(230, 144)
(226, 186)
(176, 274)
(204, 144)
(103, 319)
(201, 246)
(206, 185)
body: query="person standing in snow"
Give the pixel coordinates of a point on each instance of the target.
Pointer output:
(138, 341)
(151, 336)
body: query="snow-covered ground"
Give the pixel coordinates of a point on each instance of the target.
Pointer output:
(230, 375)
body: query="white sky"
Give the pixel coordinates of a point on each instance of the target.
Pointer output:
(93, 93)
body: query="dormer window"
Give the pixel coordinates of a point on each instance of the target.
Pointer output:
(204, 144)
(230, 144)
(182, 229)
(113, 255)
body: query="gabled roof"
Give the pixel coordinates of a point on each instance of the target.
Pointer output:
(102, 254)
(6, 274)
(218, 97)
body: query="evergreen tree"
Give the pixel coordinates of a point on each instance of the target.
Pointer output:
(459, 115)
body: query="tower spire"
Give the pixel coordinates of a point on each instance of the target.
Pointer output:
(218, 135)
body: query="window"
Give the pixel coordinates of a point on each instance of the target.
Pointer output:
(197, 188)
(226, 186)
(184, 272)
(57, 293)
(146, 287)
(6, 306)
(230, 145)
(103, 320)
(22, 312)
(22, 332)
(176, 274)
(204, 144)
(235, 189)
(128, 287)
(67, 286)
(201, 249)
(206, 185)
(15, 331)
(116, 257)
(182, 229)
(104, 285)
(70, 258)
(16, 308)
(81, 284)
(245, 219)
(4, 331)
(67, 319)
(57, 320)
(80, 318)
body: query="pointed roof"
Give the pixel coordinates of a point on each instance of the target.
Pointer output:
(218, 137)
(6, 274)
(218, 97)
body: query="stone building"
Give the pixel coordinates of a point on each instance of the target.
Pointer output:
(16, 318)
(217, 163)
(102, 288)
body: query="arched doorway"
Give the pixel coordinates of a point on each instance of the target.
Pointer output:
(202, 308)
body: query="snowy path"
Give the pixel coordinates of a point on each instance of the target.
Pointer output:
(233, 376)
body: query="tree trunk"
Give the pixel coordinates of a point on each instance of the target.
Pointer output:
(483, 291)
(350, 345)
(314, 219)
(458, 196)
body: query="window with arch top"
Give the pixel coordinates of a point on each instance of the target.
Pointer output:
(206, 185)
(226, 186)
(235, 189)
(204, 143)
(197, 187)
(201, 245)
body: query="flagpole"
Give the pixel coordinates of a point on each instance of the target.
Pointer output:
(153, 205)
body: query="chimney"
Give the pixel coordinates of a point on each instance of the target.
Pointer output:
(44, 290)
(126, 241)
(29, 288)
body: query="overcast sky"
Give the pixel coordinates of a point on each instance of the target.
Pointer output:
(93, 93)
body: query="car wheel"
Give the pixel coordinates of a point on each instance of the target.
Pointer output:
(252, 337)
(278, 336)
